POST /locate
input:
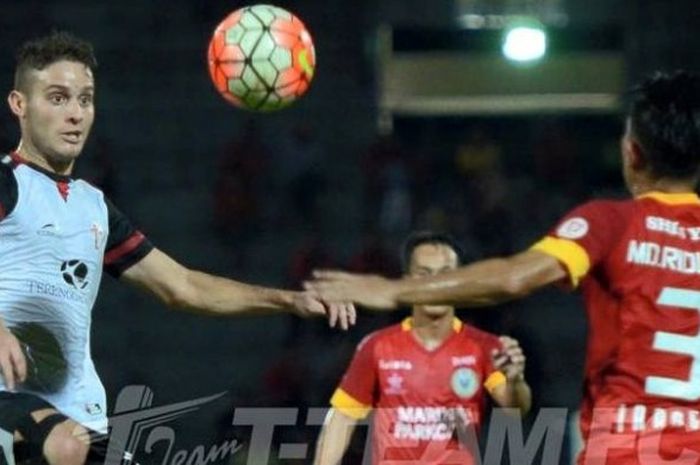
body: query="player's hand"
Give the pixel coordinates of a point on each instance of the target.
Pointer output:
(510, 360)
(456, 419)
(13, 365)
(371, 291)
(339, 314)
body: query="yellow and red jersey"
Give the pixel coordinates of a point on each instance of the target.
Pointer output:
(416, 393)
(638, 265)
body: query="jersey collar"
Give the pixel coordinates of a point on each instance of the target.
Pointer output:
(686, 198)
(16, 158)
(407, 324)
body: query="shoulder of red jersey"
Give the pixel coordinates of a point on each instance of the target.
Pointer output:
(374, 337)
(578, 222)
(480, 336)
(586, 235)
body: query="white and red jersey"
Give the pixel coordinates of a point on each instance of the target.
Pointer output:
(415, 392)
(58, 235)
(638, 265)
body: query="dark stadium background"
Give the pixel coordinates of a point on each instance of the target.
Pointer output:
(265, 197)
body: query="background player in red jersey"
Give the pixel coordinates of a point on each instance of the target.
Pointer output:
(423, 376)
(637, 263)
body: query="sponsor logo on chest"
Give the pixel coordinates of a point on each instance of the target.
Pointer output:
(394, 385)
(395, 365)
(464, 361)
(435, 423)
(96, 232)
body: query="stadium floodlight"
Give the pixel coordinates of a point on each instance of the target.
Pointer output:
(525, 42)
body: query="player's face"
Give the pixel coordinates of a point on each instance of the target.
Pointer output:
(430, 260)
(57, 111)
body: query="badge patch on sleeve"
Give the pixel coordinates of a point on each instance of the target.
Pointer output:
(573, 228)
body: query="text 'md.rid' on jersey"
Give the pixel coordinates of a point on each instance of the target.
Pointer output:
(638, 265)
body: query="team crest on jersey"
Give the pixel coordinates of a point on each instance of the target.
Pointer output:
(465, 382)
(573, 228)
(97, 233)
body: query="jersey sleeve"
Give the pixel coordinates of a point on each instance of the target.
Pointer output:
(355, 395)
(8, 188)
(493, 378)
(584, 237)
(126, 245)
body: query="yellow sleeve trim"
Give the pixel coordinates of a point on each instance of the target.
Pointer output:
(572, 255)
(494, 380)
(349, 406)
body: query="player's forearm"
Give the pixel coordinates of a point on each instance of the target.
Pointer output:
(486, 282)
(518, 395)
(215, 295)
(483, 283)
(334, 438)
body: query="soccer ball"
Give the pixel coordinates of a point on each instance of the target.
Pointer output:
(261, 57)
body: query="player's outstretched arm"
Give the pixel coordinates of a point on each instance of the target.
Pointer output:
(515, 392)
(481, 283)
(182, 288)
(334, 438)
(13, 365)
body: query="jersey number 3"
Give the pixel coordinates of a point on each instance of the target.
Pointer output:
(682, 300)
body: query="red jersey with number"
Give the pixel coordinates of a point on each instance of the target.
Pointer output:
(638, 265)
(415, 394)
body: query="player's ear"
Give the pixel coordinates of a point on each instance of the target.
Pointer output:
(17, 102)
(633, 154)
(638, 160)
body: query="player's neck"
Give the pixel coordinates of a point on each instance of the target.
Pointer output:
(668, 186)
(431, 332)
(31, 154)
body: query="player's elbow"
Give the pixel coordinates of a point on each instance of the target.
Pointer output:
(181, 294)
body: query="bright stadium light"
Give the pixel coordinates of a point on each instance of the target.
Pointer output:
(525, 42)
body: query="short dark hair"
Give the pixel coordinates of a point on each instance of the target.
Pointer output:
(41, 52)
(418, 238)
(665, 121)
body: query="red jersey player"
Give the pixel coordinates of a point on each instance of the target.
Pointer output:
(423, 377)
(637, 263)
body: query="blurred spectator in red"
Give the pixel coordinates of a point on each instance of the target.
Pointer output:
(284, 381)
(236, 202)
(310, 255)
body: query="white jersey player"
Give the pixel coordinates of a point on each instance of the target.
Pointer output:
(58, 234)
